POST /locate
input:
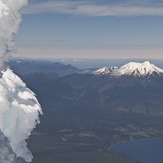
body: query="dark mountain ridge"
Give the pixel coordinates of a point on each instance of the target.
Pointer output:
(86, 113)
(24, 67)
(101, 90)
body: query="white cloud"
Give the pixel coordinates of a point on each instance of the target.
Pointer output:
(88, 8)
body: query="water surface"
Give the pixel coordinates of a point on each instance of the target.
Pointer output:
(147, 150)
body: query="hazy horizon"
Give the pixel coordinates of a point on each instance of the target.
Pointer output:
(85, 63)
(91, 29)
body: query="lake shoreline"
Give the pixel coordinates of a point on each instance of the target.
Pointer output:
(147, 150)
(123, 141)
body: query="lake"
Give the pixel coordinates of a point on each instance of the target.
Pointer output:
(146, 150)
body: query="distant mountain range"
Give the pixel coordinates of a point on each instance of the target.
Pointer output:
(24, 67)
(91, 111)
(134, 84)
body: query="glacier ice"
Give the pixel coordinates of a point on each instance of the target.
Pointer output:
(6, 153)
(19, 112)
(19, 108)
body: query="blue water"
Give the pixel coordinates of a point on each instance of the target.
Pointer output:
(147, 150)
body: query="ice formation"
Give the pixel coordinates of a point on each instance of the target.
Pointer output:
(19, 108)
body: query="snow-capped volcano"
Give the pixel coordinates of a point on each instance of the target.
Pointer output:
(133, 68)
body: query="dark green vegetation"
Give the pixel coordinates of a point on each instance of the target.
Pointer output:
(85, 114)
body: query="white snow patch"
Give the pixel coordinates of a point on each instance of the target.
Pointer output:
(132, 68)
(105, 70)
(19, 112)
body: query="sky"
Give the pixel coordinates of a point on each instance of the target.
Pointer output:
(91, 29)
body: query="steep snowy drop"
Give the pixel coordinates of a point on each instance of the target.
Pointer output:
(19, 113)
(133, 68)
(6, 152)
(19, 108)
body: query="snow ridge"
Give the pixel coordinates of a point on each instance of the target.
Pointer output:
(132, 68)
(19, 113)
(105, 70)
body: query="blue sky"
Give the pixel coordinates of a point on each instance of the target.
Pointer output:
(91, 29)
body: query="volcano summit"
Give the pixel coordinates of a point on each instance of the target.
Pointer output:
(133, 68)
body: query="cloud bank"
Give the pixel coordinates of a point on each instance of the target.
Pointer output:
(90, 52)
(10, 19)
(89, 8)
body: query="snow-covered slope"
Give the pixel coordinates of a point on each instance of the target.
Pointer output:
(105, 70)
(133, 68)
(19, 112)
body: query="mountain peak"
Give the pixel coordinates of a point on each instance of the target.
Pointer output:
(147, 62)
(132, 68)
(105, 70)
